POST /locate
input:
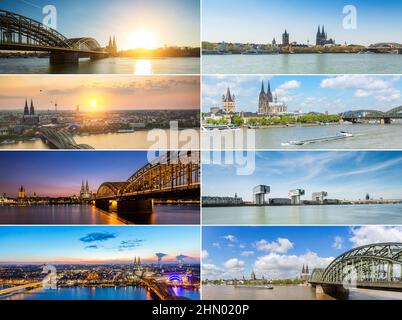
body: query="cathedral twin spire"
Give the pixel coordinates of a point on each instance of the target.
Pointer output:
(269, 93)
(112, 46)
(31, 110)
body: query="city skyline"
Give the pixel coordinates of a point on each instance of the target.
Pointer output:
(140, 23)
(332, 94)
(97, 245)
(344, 175)
(300, 19)
(281, 252)
(97, 94)
(59, 174)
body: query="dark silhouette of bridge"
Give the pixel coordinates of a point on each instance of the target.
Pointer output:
(375, 266)
(172, 177)
(20, 33)
(384, 117)
(60, 139)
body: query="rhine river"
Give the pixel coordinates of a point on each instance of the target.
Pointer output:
(315, 63)
(310, 215)
(34, 65)
(139, 140)
(366, 136)
(86, 214)
(290, 293)
(101, 293)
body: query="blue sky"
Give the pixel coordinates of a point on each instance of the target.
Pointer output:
(334, 94)
(280, 252)
(59, 173)
(261, 20)
(174, 22)
(344, 175)
(96, 244)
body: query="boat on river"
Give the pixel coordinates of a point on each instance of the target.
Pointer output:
(338, 136)
(267, 287)
(4, 142)
(224, 127)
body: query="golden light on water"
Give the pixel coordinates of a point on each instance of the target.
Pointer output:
(143, 67)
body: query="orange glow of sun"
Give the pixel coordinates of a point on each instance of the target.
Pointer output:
(144, 39)
(93, 103)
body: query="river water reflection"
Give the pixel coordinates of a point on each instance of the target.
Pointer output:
(86, 214)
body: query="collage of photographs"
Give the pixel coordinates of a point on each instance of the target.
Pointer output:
(200, 150)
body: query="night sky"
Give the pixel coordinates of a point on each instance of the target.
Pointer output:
(59, 173)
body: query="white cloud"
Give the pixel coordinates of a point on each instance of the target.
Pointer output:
(242, 246)
(210, 270)
(212, 91)
(276, 266)
(204, 254)
(382, 89)
(230, 238)
(338, 243)
(247, 253)
(369, 169)
(283, 91)
(216, 244)
(375, 234)
(292, 84)
(281, 245)
(355, 82)
(234, 265)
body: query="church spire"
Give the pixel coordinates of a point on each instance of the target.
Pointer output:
(32, 110)
(26, 110)
(228, 95)
(262, 86)
(303, 270)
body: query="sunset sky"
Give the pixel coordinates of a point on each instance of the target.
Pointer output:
(59, 173)
(172, 23)
(59, 245)
(109, 92)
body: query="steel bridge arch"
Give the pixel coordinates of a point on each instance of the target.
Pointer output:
(316, 274)
(172, 169)
(84, 43)
(395, 111)
(31, 29)
(357, 113)
(31, 32)
(367, 260)
(110, 189)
